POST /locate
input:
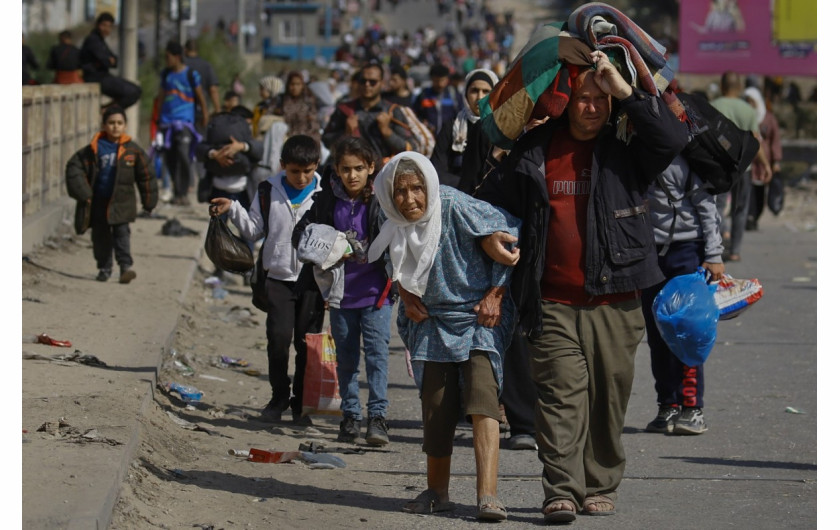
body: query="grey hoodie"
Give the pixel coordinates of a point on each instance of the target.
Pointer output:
(697, 217)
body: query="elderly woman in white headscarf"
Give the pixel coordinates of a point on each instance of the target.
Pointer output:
(455, 317)
(461, 147)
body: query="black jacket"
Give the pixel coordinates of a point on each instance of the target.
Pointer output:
(221, 128)
(620, 251)
(465, 170)
(64, 57)
(95, 57)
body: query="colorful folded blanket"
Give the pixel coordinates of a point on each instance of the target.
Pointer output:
(535, 79)
(537, 83)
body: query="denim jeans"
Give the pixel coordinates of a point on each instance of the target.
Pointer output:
(349, 327)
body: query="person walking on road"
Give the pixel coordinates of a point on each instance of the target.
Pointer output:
(731, 105)
(771, 142)
(209, 80)
(686, 228)
(97, 59)
(371, 117)
(102, 177)
(295, 306)
(359, 289)
(456, 318)
(573, 180)
(180, 93)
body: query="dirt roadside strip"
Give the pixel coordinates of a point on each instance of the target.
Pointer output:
(128, 327)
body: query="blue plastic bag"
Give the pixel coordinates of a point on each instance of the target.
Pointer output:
(686, 315)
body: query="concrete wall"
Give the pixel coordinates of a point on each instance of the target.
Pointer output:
(57, 121)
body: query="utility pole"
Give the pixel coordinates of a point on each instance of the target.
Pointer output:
(240, 35)
(128, 58)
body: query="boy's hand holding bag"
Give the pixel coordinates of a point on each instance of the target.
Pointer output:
(225, 250)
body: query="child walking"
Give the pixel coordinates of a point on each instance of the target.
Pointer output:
(360, 308)
(295, 306)
(101, 177)
(686, 228)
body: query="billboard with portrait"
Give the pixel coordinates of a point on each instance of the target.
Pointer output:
(766, 37)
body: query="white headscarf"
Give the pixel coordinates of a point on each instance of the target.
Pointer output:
(273, 84)
(754, 94)
(465, 115)
(412, 245)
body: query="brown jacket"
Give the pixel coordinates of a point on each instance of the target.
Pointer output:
(133, 168)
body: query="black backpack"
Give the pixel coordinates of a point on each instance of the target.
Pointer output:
(719, 151)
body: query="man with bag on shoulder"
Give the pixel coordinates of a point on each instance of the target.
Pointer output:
(575, 180)
(368, 116)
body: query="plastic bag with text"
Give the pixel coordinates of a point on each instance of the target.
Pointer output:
(320, 382)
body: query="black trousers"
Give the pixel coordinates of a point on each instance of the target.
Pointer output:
(178, 161)
(109, 242)
(290, 315)
(519, 392)
(123, 92)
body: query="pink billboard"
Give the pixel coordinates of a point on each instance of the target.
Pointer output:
(748, 36)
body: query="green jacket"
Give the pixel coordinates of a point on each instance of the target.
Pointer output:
(133, 168)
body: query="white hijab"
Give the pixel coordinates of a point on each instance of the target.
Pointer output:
(466, 115)
(412, 245)
(755, 95)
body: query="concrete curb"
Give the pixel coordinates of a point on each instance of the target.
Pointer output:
(102, 518)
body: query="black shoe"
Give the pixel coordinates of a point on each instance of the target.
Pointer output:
(752, 225)
(103, 275)
(690, 421)
(126, 274)
(664, 420)
(274, 410)
(377, 431)
(522, 442)
(350, 430)
(300, 420)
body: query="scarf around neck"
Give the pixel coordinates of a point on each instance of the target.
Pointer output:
(412, 245)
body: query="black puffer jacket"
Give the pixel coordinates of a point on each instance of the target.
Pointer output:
(620, 251)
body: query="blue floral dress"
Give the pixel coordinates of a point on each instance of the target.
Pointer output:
(460, 277)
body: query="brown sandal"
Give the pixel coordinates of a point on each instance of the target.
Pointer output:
(561, 515)
(590, 505)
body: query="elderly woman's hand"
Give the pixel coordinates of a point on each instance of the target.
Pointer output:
(414, 308)
(490, 308)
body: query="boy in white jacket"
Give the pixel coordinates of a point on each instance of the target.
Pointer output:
(295, 306)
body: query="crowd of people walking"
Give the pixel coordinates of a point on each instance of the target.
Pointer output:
(522, 277)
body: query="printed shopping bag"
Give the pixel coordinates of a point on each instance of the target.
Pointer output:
(320, 382)
(734, 296)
